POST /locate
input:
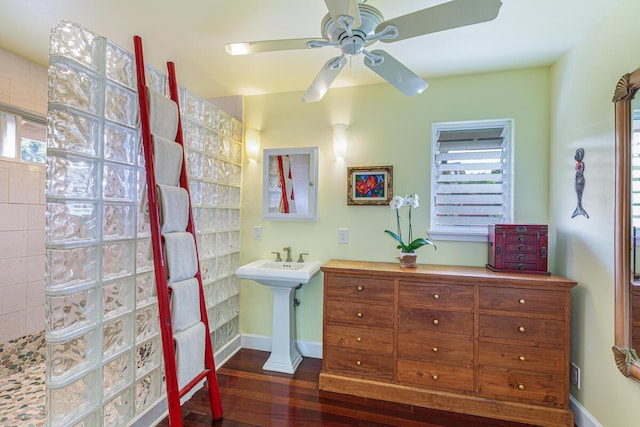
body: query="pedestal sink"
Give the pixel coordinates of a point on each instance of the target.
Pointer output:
(283, 278)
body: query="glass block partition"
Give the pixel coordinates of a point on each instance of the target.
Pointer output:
(104, 355)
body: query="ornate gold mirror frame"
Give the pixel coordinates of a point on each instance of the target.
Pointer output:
(625, 356)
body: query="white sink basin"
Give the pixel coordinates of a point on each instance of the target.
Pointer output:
(280, 274)
(282, 278)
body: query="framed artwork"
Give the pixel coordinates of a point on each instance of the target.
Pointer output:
(369, 185)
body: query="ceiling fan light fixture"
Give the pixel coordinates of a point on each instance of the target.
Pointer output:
(237, 48)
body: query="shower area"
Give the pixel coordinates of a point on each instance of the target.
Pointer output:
(101, 332)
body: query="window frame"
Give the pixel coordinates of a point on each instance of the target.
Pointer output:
(472, 233)
(21, 115)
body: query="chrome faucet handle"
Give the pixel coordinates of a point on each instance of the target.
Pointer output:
(300, 257)
(278, 259)
(288, 251)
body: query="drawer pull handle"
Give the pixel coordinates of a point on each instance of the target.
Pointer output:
(435, 377)
(521, 248)
(522, 358)
(436, 321)
(359, 288)
(358, 362)
(436, 296)
(359, 314)
(435, 349)
(521, 238)
(520, 386)
(359, 339)
(522, 301)
(521, 328)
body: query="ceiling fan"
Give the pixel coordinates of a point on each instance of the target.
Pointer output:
(352, 25)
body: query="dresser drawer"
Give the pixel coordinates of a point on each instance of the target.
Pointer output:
(434, 375)
(540, 389)
(437, 296)
(421, 321)
(509, 356)
(360, 288)
(357, 363)
(360, 314)
(549, 333)
(523, 301)
(435, 348)
(524, 257)
(371, 340)
(521, 247)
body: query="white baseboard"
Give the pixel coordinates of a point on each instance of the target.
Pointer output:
(583, 418)
(263, 343)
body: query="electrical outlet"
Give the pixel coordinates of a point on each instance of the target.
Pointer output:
(257, 233)
(343, 236)
(575, 375)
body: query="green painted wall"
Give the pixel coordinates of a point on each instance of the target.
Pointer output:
(386, 128)
(582, 115)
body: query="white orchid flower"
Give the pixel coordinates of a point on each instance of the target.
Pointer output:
(412, 200)
(397, 202)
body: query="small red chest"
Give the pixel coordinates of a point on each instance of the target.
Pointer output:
(518, 247)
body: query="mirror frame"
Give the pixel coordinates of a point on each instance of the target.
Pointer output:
(625, 356)
(312, 214)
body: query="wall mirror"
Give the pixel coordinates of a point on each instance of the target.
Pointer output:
(290, 184)
(627, 225)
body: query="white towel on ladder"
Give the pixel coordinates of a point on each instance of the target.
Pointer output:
(189, 353)
(180, 256)
(185, 304)
(167, 160)
(163, 115)
(174, 208)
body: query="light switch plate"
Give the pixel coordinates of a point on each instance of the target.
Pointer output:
(257, 233)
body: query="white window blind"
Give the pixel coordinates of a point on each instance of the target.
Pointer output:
(471, 178)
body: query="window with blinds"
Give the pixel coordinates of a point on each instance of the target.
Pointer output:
(471, 178)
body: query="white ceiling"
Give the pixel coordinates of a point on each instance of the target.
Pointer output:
(192, 33)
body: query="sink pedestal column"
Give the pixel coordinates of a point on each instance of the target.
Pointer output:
(284, 355)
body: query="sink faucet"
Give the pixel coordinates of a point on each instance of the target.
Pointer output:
(288, 251)
(278, 259)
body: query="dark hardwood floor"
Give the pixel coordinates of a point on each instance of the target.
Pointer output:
(253, 397)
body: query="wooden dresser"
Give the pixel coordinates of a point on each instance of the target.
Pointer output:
(460, 339)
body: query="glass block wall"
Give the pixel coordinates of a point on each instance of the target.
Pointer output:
(104, 355)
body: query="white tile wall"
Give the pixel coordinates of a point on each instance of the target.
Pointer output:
(22, 251)
(23, 84)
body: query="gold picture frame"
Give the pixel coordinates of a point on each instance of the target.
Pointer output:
(369, 185)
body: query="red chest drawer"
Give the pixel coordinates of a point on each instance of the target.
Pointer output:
(518, 247)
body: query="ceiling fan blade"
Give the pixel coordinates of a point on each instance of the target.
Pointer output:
(454, 14)
(338, 8)
(266, 46)
(325, 77)
(405, 80)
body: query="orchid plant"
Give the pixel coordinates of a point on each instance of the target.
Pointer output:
(413, 202)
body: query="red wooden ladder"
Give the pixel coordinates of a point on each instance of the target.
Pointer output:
(174, 394)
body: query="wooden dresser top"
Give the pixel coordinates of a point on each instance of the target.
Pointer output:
(445, 273)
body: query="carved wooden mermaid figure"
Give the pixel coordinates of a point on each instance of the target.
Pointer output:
(579, 183)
